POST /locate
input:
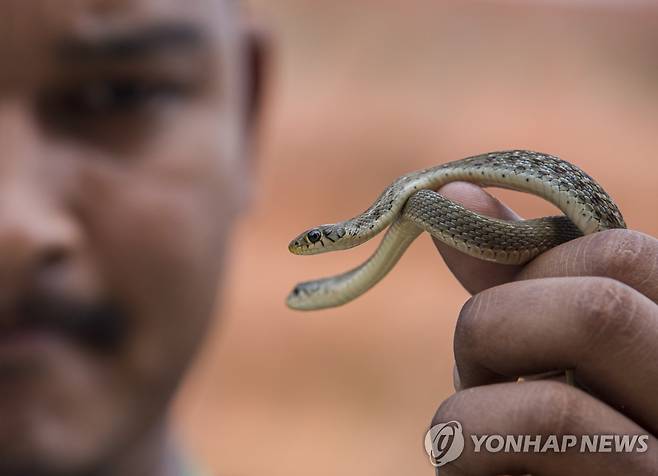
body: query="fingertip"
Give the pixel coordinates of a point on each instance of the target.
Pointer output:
(477, 199)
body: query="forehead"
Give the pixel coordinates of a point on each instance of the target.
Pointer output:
(28, 27)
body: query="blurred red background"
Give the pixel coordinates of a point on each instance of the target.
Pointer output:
(360, 93)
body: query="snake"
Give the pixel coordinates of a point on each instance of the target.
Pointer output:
(410, 206)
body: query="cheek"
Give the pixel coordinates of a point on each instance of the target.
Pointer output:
(159, 238)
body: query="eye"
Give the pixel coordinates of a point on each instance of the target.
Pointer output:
(113, 112)
(106, 98)
(113, 96)
(314, 236)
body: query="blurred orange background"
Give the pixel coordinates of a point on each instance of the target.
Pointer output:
(360, 93)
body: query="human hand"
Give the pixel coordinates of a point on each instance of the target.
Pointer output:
(587, 305)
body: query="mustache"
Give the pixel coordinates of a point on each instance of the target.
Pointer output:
(99, 324)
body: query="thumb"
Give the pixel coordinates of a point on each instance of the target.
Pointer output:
(474, 274)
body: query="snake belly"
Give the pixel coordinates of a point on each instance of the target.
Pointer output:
(409, 206)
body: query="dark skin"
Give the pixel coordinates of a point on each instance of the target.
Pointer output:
(123, 143)
(587, 305)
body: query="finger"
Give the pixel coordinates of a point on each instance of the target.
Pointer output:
(625, 255)
(475, 274)
(455, 378)
(603, 329)
(554, 375)
(542, 409)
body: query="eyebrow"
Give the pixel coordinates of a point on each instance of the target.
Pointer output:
(143, 42)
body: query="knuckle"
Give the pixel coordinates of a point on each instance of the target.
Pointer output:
(619, 254)
(605, 307)
(465, 326)
(450, 408)
(467, 330)
(538, 407)
(550, 407)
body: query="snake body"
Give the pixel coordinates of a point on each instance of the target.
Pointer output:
(410, 206)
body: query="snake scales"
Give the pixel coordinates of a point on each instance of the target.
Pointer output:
(410, 206)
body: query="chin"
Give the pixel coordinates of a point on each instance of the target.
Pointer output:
(51, 427)
(30, 454)
(34, 442)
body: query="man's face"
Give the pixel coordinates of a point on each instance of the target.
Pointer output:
(120, 173)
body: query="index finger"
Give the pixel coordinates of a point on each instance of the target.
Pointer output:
(628, 256)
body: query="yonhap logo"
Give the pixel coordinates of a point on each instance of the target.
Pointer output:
(444, 443)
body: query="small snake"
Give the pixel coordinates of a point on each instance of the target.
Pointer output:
(410, 206)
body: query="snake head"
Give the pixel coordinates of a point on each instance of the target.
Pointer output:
(318, 240)
(301, 297)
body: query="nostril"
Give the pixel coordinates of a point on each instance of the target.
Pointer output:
(53, 257)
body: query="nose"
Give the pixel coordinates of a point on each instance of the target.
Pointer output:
(36, 232)
(34, 238)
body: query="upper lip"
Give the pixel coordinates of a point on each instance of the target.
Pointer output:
(93, 323)
(16, 322)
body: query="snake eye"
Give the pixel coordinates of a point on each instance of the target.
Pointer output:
(314, 236)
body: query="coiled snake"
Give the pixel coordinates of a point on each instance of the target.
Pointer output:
(409, 205)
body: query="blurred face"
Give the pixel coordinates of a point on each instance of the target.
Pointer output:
(120, 173)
